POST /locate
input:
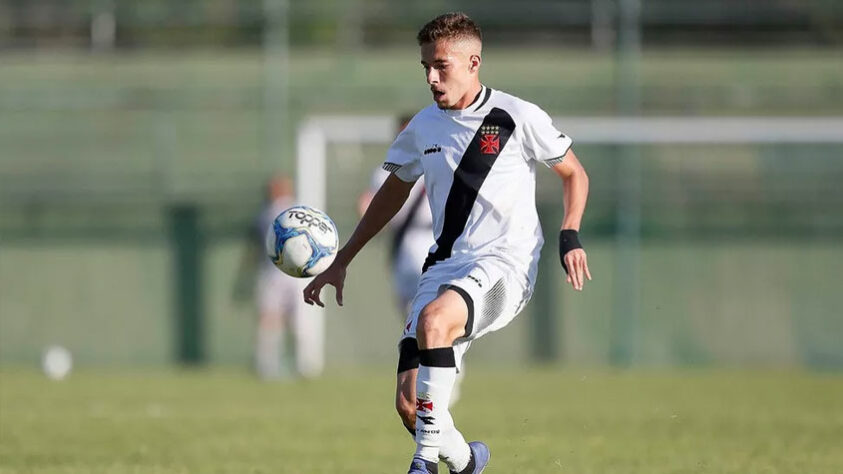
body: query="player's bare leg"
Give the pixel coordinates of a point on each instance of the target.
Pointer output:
(405, 404)
(406, 304)
(405, 399)
(440, 323)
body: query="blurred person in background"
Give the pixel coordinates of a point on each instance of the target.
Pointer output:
(478, 149)
(412, 234)
(277, 298)
(412, 238)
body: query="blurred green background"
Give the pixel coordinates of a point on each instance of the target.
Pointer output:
(115, 114)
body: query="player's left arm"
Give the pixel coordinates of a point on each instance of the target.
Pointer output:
(575, 186)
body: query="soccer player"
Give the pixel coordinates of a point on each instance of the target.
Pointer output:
(277, 299)
(477, 149)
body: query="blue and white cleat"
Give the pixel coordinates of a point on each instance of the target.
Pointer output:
(479, 458)
(420, 466)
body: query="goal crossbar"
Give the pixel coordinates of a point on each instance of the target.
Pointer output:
(315, 133)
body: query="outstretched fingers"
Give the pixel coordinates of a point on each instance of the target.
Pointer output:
(311, 292)
(339, 287)
(334, 276)
(577, 263)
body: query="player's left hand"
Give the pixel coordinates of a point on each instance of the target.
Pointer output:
(576, 262)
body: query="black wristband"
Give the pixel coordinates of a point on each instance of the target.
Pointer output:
(568, 240)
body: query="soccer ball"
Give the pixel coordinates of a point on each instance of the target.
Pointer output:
(302, 241)
(56, 362)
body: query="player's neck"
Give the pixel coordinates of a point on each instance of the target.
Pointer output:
(469, 98)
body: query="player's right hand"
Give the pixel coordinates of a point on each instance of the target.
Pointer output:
(333, 275)
(573, 258)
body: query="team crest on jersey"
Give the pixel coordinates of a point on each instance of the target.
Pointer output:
(490, 140)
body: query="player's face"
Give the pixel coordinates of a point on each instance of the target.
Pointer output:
(451, 68)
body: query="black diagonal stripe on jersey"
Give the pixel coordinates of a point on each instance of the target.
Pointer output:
(468, 177)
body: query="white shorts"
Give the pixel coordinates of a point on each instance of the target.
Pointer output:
(494, 292)
(277, 294)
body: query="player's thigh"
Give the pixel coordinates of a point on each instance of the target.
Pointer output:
(494, 293)
(444, 319)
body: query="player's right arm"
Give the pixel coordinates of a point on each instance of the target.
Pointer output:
(544, 143)
(385, 204)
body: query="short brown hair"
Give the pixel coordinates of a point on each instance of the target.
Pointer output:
(454, 25)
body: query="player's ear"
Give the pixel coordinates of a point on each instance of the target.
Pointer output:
(474, 63)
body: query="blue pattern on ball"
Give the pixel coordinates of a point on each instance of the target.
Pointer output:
(317, 251)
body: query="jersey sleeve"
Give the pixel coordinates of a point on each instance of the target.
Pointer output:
(403, 157)
(379, 176)
(541, 140)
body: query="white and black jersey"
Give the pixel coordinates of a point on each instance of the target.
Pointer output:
(479, 169)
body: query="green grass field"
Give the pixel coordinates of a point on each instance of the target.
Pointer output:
(536, 421)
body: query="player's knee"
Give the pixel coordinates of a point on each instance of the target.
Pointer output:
(434, 328)
(430, 328)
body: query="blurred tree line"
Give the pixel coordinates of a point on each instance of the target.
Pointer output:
(237, 23)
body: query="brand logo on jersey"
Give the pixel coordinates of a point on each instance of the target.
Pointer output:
(490, 140)
(433, 149)
(423, 405)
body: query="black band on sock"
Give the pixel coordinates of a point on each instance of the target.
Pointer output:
(469, 303)
(438, 357)
(408, 355)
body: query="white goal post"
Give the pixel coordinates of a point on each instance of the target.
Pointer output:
(316, 133)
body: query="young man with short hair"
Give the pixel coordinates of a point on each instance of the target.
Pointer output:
(477, 149)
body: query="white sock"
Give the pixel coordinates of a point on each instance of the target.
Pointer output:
(435, 379)
(454, 450)
(457, 391)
